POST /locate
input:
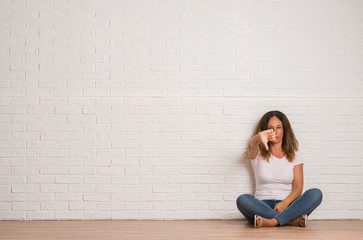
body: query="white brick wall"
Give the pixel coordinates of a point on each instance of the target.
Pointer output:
(142, 109)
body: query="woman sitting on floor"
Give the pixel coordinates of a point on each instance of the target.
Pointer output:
(278, 169)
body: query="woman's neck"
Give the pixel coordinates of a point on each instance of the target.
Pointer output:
(276, 149)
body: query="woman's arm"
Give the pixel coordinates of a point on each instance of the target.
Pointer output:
(262, 137)
(297, 187)
(253, 147)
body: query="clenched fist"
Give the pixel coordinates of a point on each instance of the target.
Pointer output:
(267, 136)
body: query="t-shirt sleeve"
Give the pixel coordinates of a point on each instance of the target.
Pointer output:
(298, 159)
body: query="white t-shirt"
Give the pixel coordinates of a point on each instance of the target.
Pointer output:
(274, 178)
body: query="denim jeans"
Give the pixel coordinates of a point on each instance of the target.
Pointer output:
(250, 206)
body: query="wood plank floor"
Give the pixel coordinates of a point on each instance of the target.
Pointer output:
(150, 230)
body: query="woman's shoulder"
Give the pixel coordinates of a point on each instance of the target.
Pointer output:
(298, 158)
(256, 158)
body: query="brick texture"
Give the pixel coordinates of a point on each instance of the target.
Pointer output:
(143, 109)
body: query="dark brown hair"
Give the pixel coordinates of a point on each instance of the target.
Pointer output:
(290, 145)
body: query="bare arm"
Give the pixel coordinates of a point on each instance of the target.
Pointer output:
(253, 146)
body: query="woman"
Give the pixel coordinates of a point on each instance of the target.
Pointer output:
(278, 169)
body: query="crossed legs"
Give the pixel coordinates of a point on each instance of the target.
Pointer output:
(249, 206)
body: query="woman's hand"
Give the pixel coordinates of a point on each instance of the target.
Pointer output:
(267, 136)
(281, 206)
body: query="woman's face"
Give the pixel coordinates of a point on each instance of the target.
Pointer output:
(276, 125)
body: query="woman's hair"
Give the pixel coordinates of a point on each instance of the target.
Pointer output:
(289, 143)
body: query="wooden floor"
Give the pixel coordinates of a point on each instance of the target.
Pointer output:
(149, 230)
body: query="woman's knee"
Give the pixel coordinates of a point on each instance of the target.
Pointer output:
(316, 194)
(243, 199)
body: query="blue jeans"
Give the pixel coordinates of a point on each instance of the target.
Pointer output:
(250, 206)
